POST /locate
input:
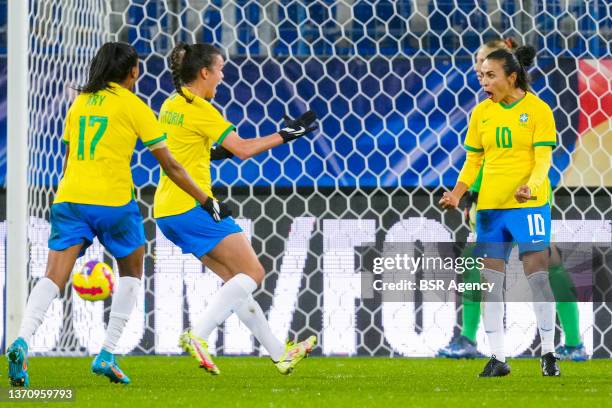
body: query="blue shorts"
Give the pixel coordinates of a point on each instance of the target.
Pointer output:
(195, 232)
(498, 230)
(119, 229)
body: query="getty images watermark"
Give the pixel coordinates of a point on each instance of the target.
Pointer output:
(401, 264)
(442, 272)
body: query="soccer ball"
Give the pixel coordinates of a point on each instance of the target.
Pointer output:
(95, 281)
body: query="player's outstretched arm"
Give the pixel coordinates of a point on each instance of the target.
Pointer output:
(218, 152)
(294, 129)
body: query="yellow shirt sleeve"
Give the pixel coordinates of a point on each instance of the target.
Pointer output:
(471, 168)
(539, 174)
(473, 141)
(545, 133)
(475, 152)
(145, 123)
(544, 141)
(212, 125)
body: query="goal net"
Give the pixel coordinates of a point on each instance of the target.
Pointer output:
(393, 85)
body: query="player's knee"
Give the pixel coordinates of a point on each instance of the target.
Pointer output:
(535, 261)
(131, 272)
(554, 256)
(59, 281)
(494, 264)
(132, 265)
(257, 272)
(130, 269)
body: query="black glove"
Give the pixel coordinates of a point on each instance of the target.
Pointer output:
(216, 209)
(296, 128)
(218, 152)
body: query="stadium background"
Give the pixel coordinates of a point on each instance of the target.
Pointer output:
(393, 89)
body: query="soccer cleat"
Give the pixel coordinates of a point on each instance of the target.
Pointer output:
(18, 363)
(294, 353)
(572, 353)
(198, 348)
(495, 368)
(460, 347)
(550, 367)
(105, 364)
(446, 351)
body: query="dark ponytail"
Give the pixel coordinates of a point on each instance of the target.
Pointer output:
(186, 61)
(518, 62)
(112, 63)
(525, 55)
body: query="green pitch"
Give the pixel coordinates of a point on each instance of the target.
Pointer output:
(323, 383)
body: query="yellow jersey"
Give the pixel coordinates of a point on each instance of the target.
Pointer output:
(507, 135)
(102, 129)
(192, 128)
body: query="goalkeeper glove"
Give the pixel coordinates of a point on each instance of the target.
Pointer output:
(296, 128)
(218, 152)
(216, 209)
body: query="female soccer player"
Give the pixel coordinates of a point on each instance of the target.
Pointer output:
(95, 198)
(513, 132)
(464, 346)
(193, 124)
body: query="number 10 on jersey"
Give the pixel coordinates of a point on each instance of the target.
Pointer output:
(503, 137)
